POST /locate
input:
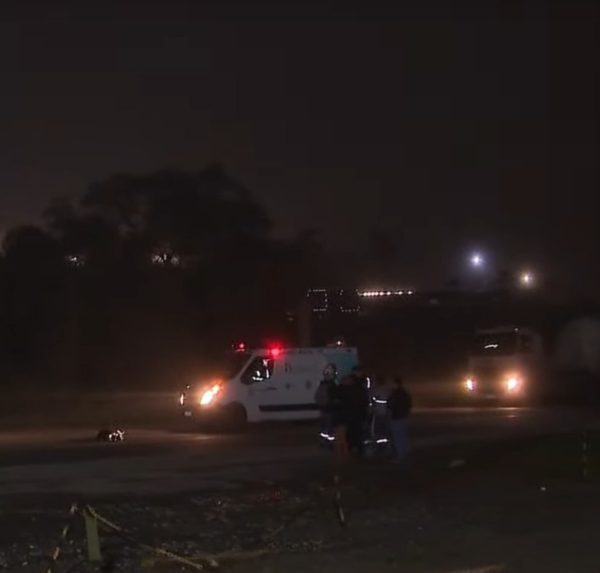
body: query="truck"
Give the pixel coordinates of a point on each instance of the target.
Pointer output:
(265, 384)
(512, 364)
(505, 363)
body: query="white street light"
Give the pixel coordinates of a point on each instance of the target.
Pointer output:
(527, 279)
(477, 260)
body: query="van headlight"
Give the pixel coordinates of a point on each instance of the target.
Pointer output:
(512, 383)
(208, 396)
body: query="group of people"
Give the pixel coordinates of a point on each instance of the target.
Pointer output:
(351, 409)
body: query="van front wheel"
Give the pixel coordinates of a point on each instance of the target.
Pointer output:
(235, 417)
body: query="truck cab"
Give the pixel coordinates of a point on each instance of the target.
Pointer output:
(504, 363)
(266, 384)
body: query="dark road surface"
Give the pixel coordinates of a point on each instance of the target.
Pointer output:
(155, 461)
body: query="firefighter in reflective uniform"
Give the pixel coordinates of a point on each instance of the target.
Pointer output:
(358, 422)
(323, 399)
(380, 392)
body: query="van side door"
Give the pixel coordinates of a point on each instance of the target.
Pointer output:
(264, 380)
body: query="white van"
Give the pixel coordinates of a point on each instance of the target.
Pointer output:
(266, 384)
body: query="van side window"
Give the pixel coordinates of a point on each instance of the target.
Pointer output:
(259, 370)
(526, 343)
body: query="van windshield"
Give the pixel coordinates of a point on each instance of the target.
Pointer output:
(495, 344)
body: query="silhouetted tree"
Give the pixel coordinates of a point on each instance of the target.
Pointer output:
(31, 291)
(30, 248)
(147, 274)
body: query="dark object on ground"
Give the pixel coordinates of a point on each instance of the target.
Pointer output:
(110, 435)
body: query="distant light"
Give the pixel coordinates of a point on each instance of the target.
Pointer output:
(477, 260)
(512, 383)
(527, 279)
(241, 347)
(382, 293)
(164, 257)
(275, 351)
(159, 258)
(75, 260)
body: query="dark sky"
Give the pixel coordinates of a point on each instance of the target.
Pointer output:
(452, 127)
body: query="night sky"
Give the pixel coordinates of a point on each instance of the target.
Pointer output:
(453, 128)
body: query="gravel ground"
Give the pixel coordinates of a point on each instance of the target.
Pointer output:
(517, 508)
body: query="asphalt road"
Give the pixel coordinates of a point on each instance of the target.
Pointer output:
(176, 460)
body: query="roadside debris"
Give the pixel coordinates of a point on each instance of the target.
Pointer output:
(110, 435)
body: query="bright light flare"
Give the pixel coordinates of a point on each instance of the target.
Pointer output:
(512, 383)
(383, 293)
(275, 351)
(470, 384)
(208, 396)
(477, 260)
(527, 279)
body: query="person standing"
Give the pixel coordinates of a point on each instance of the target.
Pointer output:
(358, 409)
(324, 398)
(399, 406)
(380, 392)
(362, 379)
(343, 412)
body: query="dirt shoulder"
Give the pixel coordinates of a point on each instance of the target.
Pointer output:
(519, 506)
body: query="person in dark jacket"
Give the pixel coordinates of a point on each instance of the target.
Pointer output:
(399, 405)
(380, 392)
(359, 397)
(324, 399)
(343, 411)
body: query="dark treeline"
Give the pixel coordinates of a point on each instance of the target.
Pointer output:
(143, 280)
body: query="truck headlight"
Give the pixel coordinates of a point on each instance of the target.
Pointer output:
(512, 383)
(470, 384)
(207, 397)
